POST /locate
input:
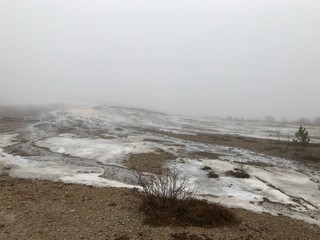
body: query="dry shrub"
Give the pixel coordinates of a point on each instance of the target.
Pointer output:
(206, 168)
(239, 172)
(161, 191)
(212, 175)
(167, 200)
(191, 212)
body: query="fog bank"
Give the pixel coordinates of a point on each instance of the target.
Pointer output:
(216, 58)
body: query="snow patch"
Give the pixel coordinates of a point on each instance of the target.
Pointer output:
(275, 184)
(7, 139)
(103, 150)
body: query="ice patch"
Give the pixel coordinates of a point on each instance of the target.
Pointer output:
(93, 179)
(61, 150)
(250, 193)
(20, 167)
(103, 150)
(7, 139)
(291, 182)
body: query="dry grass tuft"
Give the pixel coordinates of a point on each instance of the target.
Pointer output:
(237, 174)
(206, 168)
(212, 175)
(167, 200)
(190, 212)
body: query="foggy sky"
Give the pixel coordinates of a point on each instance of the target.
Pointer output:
(248, 58)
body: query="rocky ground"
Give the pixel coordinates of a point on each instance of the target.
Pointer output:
(34, 209)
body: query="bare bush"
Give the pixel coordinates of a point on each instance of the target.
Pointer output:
(159, 191)
(212, 174)
(239, 172)
(168, 200)
(206, 168)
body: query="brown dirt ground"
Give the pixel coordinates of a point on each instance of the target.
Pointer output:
(275, 148)
(34, 209)
(149, 162)
(12, 124)
(206, 155)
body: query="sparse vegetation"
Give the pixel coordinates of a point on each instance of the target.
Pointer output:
(164, 190)
(212, 175)
(284, 149)
(206, 168)
(168, 200)
(208, 155)
(239, 172)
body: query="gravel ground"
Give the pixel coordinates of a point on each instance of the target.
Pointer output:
(34, 209)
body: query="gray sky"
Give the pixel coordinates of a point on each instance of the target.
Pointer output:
(247, 58)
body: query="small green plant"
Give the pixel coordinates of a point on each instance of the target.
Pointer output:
(302, 137)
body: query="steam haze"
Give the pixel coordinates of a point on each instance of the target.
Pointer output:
(244, 58)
